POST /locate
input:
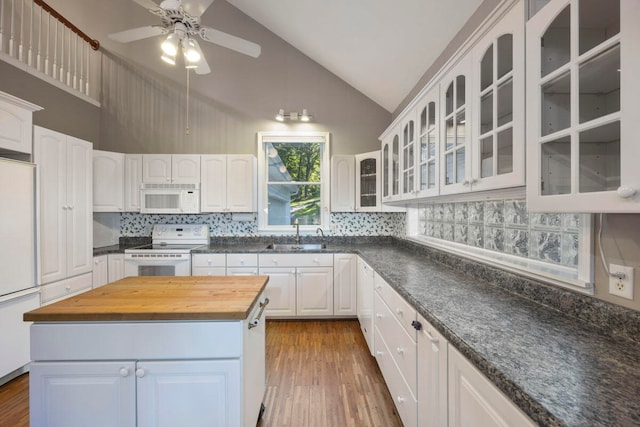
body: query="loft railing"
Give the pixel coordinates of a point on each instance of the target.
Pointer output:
(34, 34)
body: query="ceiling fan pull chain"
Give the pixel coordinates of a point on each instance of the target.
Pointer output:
(187, 129)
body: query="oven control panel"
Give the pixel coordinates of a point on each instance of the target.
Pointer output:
(180, 233)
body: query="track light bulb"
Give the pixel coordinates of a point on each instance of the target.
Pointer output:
(304, 117)
(280, 115)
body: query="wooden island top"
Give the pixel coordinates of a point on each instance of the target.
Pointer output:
(159, 298)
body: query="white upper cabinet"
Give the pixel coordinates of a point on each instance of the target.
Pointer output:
(391, 165)
(498, 109)
(15, 124)
(427, 149)
(407, 158)
(132, 181)
(368, 182)
(170, 168)
(228, 183)
(108, 181)
(456, 121)
(342, 183)
(583, 60)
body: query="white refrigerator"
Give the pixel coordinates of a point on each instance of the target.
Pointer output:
(18, 290)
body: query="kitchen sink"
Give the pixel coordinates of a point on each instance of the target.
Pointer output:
(295, 247)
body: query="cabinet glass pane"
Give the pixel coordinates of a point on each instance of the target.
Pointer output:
(599, 81)
(448, 169)
(555, 43)
(460, 91)
(599, 21)
(556, 105)
(450, 136)
(460, 165)
(368, 167)
(505, 103)
(486, 69)
(432, 115)
(461, 128)
(423, 177)
(449, 100)
(486, 157)
(600, 158)
(431, 171)
(408, 181)
(385, 170)
(556, 167)
(423, 121)
(395, 169)
(432, 144)
(505, 54)
(423, 149)
(486, 113)
(505, 151)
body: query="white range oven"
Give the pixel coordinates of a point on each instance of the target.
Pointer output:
(169, 253)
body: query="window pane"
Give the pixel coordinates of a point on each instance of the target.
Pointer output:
(432, 115)
(556, 167)
(460, 91)
(486, 157)
(600, 85)
(505, 54)
(423, 149)
(600, 158)
(556, 105)
(294, 162)
(385, 171)
(460, 165)
(505, 103)
(432, 144)
(486, 69)
(486, 113)
(555, 43)
(423, 120)
(450, 136)
(449, 99)
(599, 21)
(448, 171)
(461, 128)
(288, 202)
(505, 151)
(432, 174)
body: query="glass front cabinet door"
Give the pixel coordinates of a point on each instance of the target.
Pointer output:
(583, 64)
(391, 165)
(368, 182)
(427, 144)
(408, 158)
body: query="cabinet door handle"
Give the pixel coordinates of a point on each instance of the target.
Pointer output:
(379, 353)
(431, 337)
(140, 372)
(67, 288)
(400, 350)
(399, 312)
(124, 372)
(401, 399)
(378, 316)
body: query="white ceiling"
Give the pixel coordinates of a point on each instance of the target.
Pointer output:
(380, 47)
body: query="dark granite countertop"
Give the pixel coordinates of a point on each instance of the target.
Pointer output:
(565, 359)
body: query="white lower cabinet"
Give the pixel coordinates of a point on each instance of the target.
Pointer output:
(364, 296)
(242, 264)
(61, 289)
(344, 284)
(432, 376)
(208, 265)
(475, 401)
(115, 263)
(15, 332)
(314, 291)
(281, 291)
(100, 273)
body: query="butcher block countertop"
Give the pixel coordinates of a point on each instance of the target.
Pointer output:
(159, 298)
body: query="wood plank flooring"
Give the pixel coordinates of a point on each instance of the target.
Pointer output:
(319, 373)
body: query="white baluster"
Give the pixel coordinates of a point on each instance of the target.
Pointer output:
(48, 47)
(39, 54)
(69, 35)
(54, 71)
(1, 26)
(86, 92)
(81, 59)
(21, 42)
(61, 70)
(30, 51)
(12, 31)
(75, 64)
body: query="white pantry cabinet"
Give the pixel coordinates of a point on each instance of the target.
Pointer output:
(228, 183)
(108, 181)
(583, 63)
(475, 401)
(342, 183)
(65, 192)
(132, 182)
(432, 375)
(344, 284)
(16, 133)
(171, 168)
(364, 295)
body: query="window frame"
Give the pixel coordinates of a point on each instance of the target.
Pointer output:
(266, 137)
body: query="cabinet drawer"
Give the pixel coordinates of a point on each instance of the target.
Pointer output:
(400, 308)
(401, 346)
(65, 288)
(208, 260)
(208, 271)
(242, 260)
(404, 401)
(242, 271)
(296, 260)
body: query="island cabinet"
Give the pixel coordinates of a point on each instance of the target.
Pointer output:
(196, 359)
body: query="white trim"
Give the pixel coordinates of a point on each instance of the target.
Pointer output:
(499, 194)
(294, 136)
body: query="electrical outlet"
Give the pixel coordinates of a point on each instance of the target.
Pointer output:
(622, 287)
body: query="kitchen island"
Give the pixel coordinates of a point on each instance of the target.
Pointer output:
(151, 351)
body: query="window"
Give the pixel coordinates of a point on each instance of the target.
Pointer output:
(293, 180)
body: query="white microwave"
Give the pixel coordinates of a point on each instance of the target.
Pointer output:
(170, 198)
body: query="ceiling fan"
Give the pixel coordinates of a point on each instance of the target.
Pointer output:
(181, 23)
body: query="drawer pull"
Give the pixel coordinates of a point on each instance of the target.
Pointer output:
(379, 353)
(431, 338)
(378, 316)
(416, 325)
(401, 399)
(67, 288)
(399, 312)
(400, 350)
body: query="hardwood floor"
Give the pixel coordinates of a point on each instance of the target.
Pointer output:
(319, 373)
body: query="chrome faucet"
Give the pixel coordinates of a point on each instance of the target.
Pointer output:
(296, 224)
(319, 230)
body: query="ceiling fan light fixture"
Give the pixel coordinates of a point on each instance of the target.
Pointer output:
(191, 51)
(170, 45)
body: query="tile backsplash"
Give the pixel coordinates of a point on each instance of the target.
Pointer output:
(505, 226)
(222, 224)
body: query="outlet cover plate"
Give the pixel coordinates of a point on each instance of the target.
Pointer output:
(621, 287)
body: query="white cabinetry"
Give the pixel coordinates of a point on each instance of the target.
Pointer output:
(132, 182)
(427, 150)
(299, 284)
(342, 183)
(15, 124)
(582, 69)
(229, 183)
(473, 400)
(407, 157)
(432, 376)
(344, 284)
(15, 332)
(391, 165)
(108, 181)
(65, 192)
(116, 267)
(395, 349)
(100, 271)
(364, 294)
(208, 265)
(242, 264)
(171, 168)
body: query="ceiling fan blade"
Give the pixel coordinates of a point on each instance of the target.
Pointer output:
(203, 66)
(150, 5)
(230, 42)
(137, 34)
(195, 8)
